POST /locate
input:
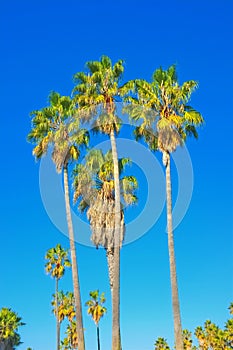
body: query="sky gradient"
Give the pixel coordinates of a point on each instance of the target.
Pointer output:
(43, 44)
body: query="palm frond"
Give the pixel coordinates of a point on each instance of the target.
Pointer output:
(93, 66)
(106, 62)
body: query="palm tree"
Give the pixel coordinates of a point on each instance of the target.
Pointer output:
(55, 126)
(94, 185)
(57, 261)
(71, 340)
(66, 309)
(96, 93)
(187, 340)
(161, 344)
(64, 303)
(96, 310)
(9, 324)
(165, 121)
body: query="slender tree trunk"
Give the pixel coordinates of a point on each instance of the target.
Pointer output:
(98, 337)
(77, 297)
(57, 319)
(172, 262)
(110, 259)
(116, 338)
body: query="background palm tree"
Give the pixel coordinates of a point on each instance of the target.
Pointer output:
(96, 94)
(161, 344)
(94, 186)
(9, 324)
(187, 340)
(209, 337)
(96, 310)
(57, 261)
(71, 340)
(65, 305)
(66, 310)
(165, 120)
(57, 127)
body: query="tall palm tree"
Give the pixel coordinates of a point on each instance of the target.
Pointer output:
(96, 310)
(165, 121)
(96, 93)
(56, 262)
(94, 186)
(55, 126)
(9, 324)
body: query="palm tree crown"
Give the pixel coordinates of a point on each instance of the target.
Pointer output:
(94, 186)
(57, 261)
(95, 306)
(55, 125)
(97, 92)
(9, 324)
(162, 108)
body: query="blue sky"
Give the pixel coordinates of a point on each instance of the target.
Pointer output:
(43, 43)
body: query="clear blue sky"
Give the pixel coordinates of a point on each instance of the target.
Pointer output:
(43, 43)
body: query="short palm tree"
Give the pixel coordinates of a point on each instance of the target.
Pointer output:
(96, 310)
(57, 261)
(96, 93)
(165, 120)
(70, 342)
(64, 303)
(66, 310)
(9, 324)
(56, 126)
(187, 340)
(94, 185)
(161, 344)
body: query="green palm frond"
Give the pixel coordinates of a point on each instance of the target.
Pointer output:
(127, 89)
(193, 117)
(94, 66)
(118, 69)
(106, 62)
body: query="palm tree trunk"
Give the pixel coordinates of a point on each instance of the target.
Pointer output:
(77, 297)
(172, 262)
(98, 337)
(110, 259)
(116, 338)
(57, 319)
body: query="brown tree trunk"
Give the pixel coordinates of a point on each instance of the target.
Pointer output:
(110, 259)
(77, 297)
(172, 262)
(116, 338)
